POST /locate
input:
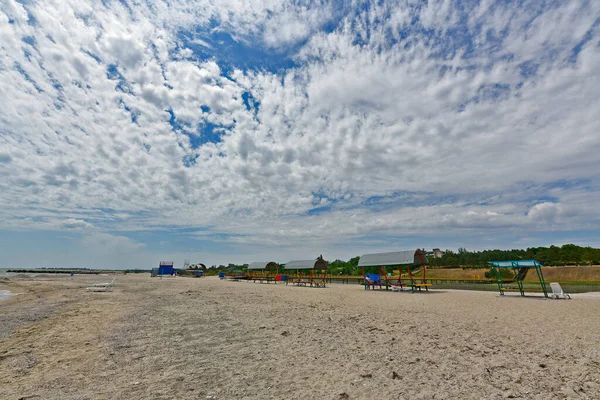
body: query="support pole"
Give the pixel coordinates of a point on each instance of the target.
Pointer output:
(517, 278)
(423, 266)
(538, 269)
(383, 273)
(498, 279)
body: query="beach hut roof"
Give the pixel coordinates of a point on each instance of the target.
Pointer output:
(307, 264)
(406, 257)
(263, 265)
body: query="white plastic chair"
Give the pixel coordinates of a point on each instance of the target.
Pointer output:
(102, 287)
(105, 284)
(99, 289)
(557, 291)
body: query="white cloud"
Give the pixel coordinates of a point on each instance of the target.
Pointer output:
(446, 135)
(103, 243)
(72, 223)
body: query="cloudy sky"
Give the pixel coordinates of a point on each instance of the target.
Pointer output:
(242, 130)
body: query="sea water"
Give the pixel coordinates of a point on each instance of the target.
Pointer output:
(4, 294)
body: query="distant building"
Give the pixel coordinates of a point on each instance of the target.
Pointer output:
(437, 253)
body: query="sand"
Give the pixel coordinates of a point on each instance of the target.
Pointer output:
(186, 338)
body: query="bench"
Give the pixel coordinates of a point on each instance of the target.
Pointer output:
(524, 290)
(305, 282)
(262, 279)
(420, 286)
(301, 281)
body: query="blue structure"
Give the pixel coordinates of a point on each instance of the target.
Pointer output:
(166, 268)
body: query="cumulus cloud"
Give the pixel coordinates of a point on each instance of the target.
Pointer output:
(104, 241)
(73, 223)
(376, 120)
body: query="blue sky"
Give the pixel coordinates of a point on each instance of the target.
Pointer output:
(237, 131)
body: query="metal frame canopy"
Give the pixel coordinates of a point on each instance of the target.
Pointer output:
(319, 263)
(406, 258)
(516, 264)
(519, 268)
(263, 265)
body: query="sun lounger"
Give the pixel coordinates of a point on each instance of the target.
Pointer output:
(99, 289)
(105, 284)
(557, 291)
(102, 286)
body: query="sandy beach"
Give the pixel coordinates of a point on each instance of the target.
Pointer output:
(186, 338)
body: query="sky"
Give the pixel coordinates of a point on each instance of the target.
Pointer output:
(235, 131)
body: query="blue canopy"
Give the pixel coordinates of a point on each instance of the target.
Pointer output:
(375, 278)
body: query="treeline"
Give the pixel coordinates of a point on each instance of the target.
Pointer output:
(568, 254)
(350, 267)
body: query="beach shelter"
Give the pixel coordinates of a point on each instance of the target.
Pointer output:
(308, 272)
(263, 271)
(411, 259)
(166, 268)
(194, 270)
(519, 269)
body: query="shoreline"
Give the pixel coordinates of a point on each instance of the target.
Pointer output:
(7, 294)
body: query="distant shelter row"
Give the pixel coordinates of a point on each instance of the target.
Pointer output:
(411, 272)
(377, 272)
(313, 273)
